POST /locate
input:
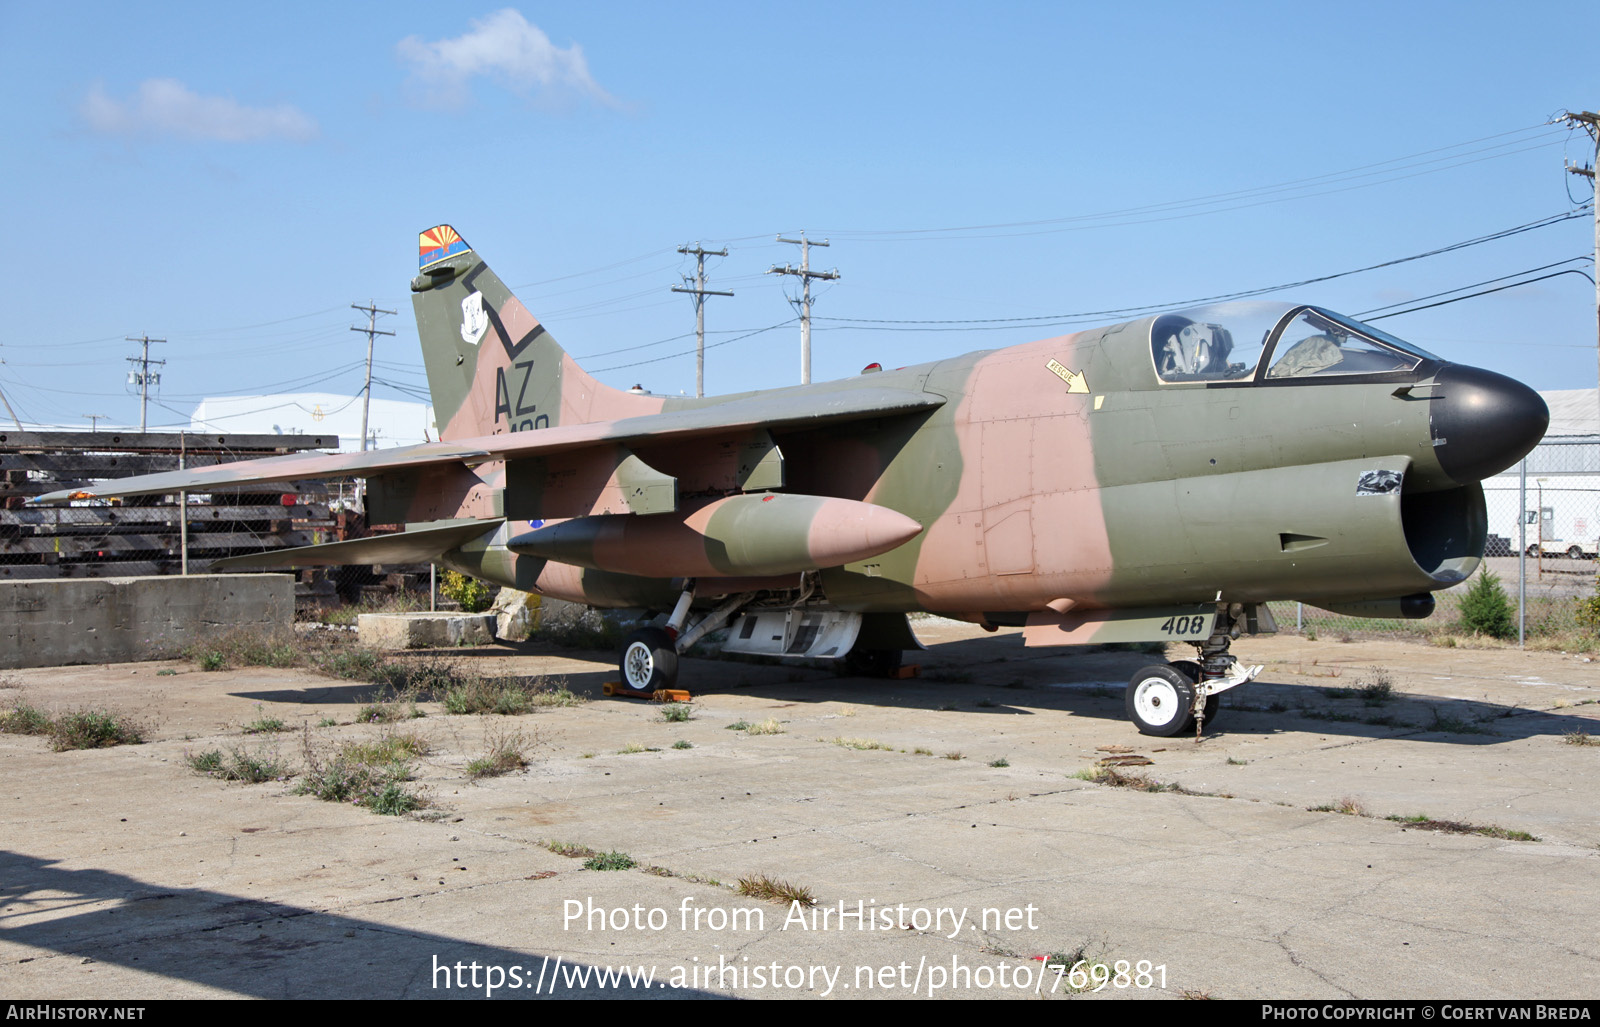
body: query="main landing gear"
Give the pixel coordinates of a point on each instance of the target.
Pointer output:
(650, 655)
(1168, 700)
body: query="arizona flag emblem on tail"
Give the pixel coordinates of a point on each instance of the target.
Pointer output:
(438, 244)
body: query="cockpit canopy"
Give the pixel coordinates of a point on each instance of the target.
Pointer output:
(1250, 342)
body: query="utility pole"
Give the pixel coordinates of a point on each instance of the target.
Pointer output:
(1591, 124)
(805, 274)
(143, 374)
(373, 331)
(700, 292)
(94, 421)
(10, 411)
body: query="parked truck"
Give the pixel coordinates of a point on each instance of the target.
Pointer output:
(1561, 516)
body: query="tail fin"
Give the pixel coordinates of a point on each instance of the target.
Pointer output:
(492, 367)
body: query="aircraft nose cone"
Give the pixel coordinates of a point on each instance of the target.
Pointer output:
(1483, 422)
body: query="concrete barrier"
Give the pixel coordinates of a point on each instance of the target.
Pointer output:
(116, 620)
(424, 630)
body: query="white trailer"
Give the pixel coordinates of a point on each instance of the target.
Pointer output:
(1561, 516)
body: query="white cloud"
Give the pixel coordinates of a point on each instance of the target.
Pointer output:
(505, 48)
(167, 107)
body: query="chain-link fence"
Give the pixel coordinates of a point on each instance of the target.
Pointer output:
(1544, 532)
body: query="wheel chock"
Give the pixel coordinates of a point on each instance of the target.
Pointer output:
(617, 688)
(620, 690)
(909, 670)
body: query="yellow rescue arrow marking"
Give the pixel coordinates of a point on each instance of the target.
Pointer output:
(1075, 381)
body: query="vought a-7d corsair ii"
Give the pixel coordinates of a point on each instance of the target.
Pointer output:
(1157, 480)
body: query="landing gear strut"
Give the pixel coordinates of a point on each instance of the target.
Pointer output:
(1168, 700)
(650, 655)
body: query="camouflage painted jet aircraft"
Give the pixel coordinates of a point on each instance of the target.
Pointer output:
(1158, 480)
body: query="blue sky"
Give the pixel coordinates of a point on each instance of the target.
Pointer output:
(232, 178)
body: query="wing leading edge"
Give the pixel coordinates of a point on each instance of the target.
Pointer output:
(786, 408)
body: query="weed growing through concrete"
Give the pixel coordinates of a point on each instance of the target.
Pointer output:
(770, 726)
(23, 719)
(738, 725)
(683, 744)
(760, 886)
(609, 861)
(239, 765)
(1451, 724)
(79, 729)
(857, 743)
(506, 754)
(1375, 687)
(954, 756)
(475, 694)
(370, 774)
(921, 751)
(631, 748)
(1233, 762)
(264, 725)
(1083, 971)
(1580, 738)
(1422, 822)
(677, 713)
(571, 850)
(1001, 762)
(327, 722)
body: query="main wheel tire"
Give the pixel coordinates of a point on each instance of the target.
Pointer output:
(1160, 701)
(1191, 670)
(649, 660)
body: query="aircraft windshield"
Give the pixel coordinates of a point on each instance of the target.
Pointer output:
(1226, 342)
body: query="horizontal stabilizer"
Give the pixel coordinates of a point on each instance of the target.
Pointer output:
(423, 546)
(802, 407)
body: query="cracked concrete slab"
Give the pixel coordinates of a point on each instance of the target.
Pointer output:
(125, 874)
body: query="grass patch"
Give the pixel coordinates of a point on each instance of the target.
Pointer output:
(245, 648)
(1422, 822)
(760, 886)
(1001, 762)
(1451, 724)
(264, 725)
(506, 754)
(857, 743)
(609, 861)
(239, 765)
(677, 713)
(770, 726)
(571, 850)
(1234, 762)
(738, 725)
(94, 729)
(1375, 687)
(1349, 806)
(370, 774)
(23, 719)
(474, 694)
(683, 743)
(921, 751)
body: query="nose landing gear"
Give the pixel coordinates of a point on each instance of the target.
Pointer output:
(1165, 701)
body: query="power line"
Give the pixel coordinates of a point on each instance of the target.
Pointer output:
(1045, 320)
(714, 345)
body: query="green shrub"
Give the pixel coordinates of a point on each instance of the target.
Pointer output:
(1485, 610)
(472, 594)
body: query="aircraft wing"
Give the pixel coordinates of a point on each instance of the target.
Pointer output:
(799, 408)
(420, 546)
